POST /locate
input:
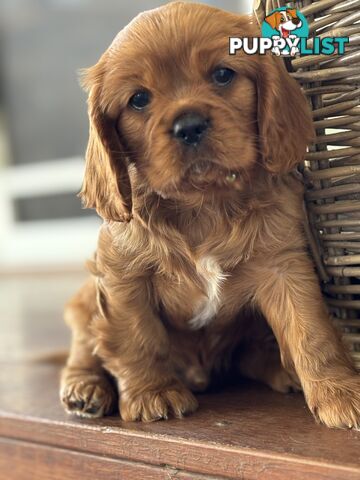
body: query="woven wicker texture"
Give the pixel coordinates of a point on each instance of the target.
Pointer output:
(332, 165)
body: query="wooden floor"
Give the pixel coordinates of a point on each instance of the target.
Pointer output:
(247, 432)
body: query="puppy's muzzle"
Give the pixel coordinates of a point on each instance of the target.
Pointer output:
(190, 128)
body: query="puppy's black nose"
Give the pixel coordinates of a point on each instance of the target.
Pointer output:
(296, 21)
(189, 128)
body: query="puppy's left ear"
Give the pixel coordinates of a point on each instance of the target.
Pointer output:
(284, 117)
(292, 12)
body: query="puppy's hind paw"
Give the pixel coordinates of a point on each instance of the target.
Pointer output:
(87, 395)
(281, 381)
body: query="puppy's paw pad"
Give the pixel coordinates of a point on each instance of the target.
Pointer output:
(338, 406)
(157, 405)
(88, 396)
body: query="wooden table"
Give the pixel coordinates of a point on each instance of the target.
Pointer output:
(245, 432)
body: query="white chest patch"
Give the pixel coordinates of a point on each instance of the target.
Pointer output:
(213, 278)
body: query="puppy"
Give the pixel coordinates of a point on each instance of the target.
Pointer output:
(202, 253)
(284, 21)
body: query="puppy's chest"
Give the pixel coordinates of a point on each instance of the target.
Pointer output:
(193, 301)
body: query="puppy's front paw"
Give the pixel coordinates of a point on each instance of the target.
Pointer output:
(149, 406)
(87, 394)
(337, 404)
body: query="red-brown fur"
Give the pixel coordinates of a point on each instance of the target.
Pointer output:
(163, 217)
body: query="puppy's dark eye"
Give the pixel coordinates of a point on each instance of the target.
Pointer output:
(140, 100)
(222, 76)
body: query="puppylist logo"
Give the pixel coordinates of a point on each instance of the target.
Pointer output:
(285, 32)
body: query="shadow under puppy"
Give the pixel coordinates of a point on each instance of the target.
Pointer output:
(202, 253)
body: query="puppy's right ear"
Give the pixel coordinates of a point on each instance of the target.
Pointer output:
(272, 19)
(106, 186)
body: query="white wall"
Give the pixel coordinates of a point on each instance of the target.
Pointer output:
(43, 244)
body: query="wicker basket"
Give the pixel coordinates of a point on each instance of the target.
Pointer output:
(332, 166)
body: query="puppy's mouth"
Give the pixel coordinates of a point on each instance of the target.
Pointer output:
(205, 174)
(285, 32)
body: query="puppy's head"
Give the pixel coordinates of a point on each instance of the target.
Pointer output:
(168, 99)
(284, 21)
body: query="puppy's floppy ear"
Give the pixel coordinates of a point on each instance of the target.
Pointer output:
(273, 19)
(292, 12)
(284, 118)
(106, 186)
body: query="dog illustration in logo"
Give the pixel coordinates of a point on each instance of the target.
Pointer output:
(284, 21)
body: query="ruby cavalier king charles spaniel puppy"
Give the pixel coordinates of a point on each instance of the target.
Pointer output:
(202, 263)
